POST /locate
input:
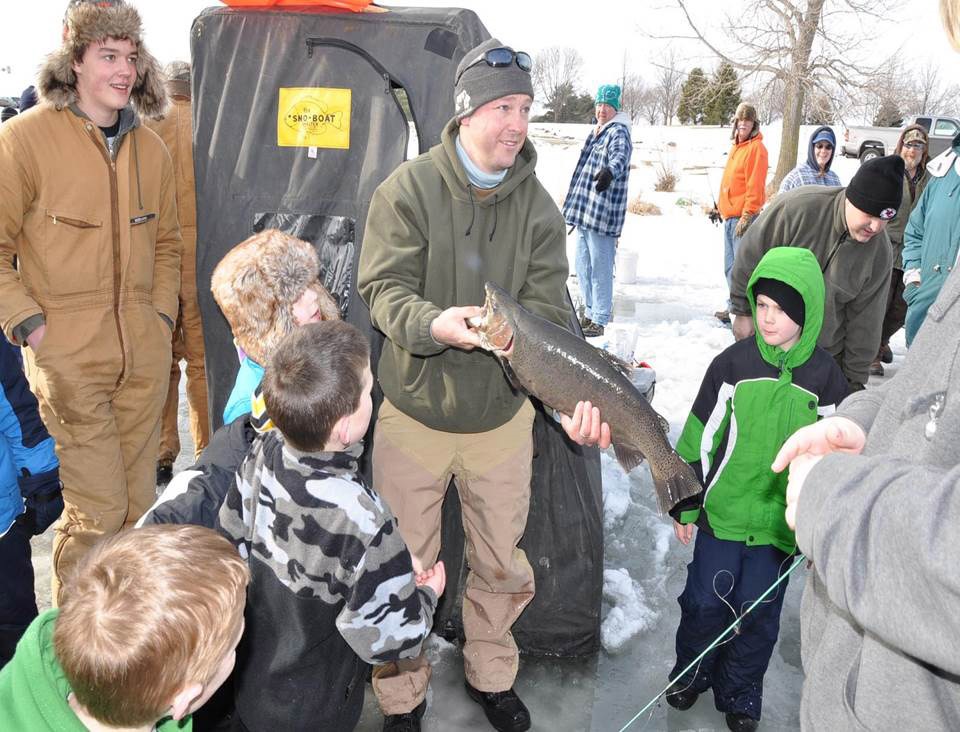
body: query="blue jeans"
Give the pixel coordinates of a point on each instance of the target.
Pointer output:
(735, 668)
(731, 242)
(594, 263)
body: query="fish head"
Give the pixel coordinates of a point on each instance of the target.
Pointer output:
(497, 321)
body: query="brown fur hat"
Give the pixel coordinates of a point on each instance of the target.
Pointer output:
(257, 283)
(87, 23)
(745, 112)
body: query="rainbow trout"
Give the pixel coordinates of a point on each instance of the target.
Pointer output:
(561, 369)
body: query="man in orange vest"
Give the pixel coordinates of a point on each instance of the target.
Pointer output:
(742, 190)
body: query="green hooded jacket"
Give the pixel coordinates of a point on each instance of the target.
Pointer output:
(431, 242)
(34, 690)
(753, 397)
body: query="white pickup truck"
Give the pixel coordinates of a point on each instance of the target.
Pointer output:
(872, 142)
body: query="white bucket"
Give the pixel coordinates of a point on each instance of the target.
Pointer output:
(626, 267)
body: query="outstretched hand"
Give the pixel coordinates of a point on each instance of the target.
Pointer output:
(585, 426)
(450, 327)
(833, 434)
(683, 532)
(435, 578)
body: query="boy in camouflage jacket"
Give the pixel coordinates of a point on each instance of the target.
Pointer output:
(333, 586)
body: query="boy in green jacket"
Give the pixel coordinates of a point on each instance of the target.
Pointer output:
(753, 397)
(147, 632)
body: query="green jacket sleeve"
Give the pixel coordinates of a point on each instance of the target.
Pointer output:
(390, 278)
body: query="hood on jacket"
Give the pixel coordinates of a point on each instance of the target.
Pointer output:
(89, 23)
(798, 268)
(620, 118)
(811, 158)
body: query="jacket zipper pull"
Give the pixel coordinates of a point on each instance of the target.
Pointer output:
(54, 219)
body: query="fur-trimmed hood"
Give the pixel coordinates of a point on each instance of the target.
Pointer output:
(88, 23)
(257, 283)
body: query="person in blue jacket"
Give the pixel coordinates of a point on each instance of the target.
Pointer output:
(30, 496)
(932, 237)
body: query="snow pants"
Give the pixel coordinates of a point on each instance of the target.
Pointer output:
(594, 263)
(723, 580)
(18, 603)
(412, 467)
(101, 399)
(187, 345)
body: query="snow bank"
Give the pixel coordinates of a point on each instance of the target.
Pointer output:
(629, 614)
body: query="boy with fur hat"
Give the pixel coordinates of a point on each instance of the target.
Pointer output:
(88, 209)
(266, 286)
(329, 567)
(753, 397)
(145, 635)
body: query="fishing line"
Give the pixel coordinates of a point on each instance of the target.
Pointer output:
(718, 641)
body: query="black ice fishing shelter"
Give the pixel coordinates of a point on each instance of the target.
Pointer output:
(299, 114)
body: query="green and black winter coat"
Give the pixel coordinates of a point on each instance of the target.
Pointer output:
(753, 397)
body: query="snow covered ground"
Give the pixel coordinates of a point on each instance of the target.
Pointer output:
(666, 318)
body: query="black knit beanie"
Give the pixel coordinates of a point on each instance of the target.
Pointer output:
(478, 83)
(789, 300)
(877, 188)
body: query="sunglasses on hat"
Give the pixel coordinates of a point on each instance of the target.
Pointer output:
(499, 58)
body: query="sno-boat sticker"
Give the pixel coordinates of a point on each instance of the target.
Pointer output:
(314, 117)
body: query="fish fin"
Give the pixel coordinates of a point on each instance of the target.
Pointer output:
(664, 423)
(511, 375)
(616, 362)
(628, 456)
(674, 482)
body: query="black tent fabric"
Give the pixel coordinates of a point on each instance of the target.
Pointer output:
(298, 116)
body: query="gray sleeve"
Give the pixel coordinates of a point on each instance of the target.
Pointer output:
(386, 616)
(881, 535)
(864, 318)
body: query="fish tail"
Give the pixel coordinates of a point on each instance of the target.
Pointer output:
(675, 484)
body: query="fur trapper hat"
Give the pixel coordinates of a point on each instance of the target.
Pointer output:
(745, 112)
(257, 283)
(87, 23)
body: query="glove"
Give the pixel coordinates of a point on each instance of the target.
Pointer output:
(604, 178)
(43, 497)
(745, 221)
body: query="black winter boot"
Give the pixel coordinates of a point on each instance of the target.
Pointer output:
(741, 722)
(504, 709)
(406, 722)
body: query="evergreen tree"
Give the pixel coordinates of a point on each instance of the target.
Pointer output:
(889, 114)
(723, 96)
(693, 98)
(567, 105)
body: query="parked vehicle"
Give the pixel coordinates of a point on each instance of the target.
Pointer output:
(872, 142)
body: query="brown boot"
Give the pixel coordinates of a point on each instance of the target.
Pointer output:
(886, 353)
(876, 368)
(723, 316)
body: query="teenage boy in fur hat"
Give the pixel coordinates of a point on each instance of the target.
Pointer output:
(844, 228)
(753, 397)
(468, 211)
(88, 208)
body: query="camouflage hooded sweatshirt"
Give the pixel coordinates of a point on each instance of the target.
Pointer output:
(332, 587)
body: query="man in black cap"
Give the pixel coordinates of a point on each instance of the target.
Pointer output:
(844, 228)
(468, 211)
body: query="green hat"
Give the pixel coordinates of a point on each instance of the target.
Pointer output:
(609, 94)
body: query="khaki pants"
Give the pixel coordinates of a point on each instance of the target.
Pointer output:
(412, 467)
(187, 344)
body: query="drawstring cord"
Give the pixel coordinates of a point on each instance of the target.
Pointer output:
(496, 198)
(473, 210)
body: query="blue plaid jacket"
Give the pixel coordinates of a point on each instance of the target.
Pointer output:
(584, 207)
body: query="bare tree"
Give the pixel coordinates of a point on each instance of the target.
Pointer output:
(669, 82)
(650, 105)
(803, 44)
(631, 99)
(555, 71)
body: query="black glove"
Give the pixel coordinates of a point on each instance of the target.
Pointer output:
(43, 497)
(604, 178)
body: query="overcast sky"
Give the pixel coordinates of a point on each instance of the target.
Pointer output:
(603, 32)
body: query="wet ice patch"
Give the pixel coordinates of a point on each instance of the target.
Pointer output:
(616, 493)
(629, 614)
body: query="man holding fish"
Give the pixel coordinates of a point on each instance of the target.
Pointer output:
(468, 211)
